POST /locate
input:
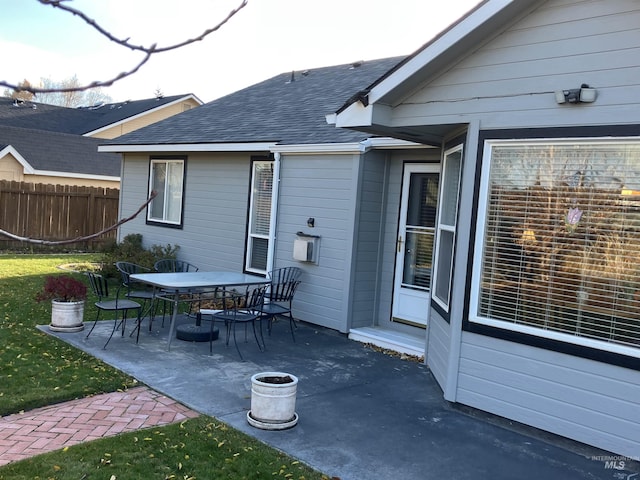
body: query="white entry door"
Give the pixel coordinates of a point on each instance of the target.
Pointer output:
(415, 243)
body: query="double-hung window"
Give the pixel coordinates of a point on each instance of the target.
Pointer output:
(449, 192)
(260, 208)
(558, 241)
(166, 178)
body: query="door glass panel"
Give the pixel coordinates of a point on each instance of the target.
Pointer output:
(420, 230)
(417, 259)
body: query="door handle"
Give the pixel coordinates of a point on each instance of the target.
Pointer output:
(399, 244)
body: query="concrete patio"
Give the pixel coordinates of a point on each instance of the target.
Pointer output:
(363, 414)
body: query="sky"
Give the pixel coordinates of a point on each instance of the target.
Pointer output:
(266, 38)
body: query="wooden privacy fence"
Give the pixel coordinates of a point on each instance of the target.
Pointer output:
(56, 212)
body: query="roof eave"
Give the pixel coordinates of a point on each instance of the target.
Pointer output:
(458, 39)
(189, 147)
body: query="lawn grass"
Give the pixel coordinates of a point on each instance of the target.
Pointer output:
(39, 370)
(200, 448)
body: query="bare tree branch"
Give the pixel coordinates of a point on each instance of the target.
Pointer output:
(148, 51)
(81, 239)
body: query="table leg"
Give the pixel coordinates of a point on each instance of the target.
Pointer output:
(174, 314)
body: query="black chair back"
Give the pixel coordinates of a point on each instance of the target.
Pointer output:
(284, 282)
(127, 268)
(99, 285)
(170, 265)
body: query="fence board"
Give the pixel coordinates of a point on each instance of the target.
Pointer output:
(57, 212)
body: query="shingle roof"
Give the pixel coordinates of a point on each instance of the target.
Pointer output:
(61, 152)
(40, 116)
(276, 110)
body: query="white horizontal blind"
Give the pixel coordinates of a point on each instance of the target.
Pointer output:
(561, 250)
(260, 217)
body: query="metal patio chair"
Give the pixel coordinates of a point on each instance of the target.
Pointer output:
(244, 308)
(279, 297)
(112, 303)
(137, 290)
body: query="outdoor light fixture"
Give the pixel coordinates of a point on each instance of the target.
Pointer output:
(584, 94)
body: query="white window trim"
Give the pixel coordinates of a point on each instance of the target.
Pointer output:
(270, 236)
(448, 228)
(483, 201)
(166, 190)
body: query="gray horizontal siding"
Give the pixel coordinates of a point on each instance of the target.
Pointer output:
(321, 187)
(215, 210)
(585, 400)
(509, 82)
(367, 241)
(438, 348)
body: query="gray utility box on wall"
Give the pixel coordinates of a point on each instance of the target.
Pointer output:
(305, 248)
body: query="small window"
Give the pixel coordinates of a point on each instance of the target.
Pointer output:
(167, 180)
(259, 228)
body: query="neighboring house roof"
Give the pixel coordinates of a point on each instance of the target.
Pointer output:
(45, 152)
(78, 121)
(289, 108)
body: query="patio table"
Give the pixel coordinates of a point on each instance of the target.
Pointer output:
(175, 284)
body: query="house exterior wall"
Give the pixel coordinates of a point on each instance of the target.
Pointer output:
(438, 347)
(215, 209)
(146, 119)
(574, 397)
(509, 82)
(10, 169)
(368, 239)
(322, 187)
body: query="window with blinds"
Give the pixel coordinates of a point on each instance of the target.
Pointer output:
(558, 252)
(259, 216)
(167, 180)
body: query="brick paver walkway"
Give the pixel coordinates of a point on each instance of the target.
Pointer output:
(50, 428)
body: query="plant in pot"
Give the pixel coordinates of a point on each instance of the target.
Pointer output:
(273, 401)
(67, 295)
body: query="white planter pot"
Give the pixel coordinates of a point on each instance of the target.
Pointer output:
(67, 316)
(273, 401)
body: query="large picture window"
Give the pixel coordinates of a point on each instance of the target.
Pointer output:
(259, 228)
(167, 180)
(558, 245)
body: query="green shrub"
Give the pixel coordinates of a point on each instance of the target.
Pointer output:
(132, 250)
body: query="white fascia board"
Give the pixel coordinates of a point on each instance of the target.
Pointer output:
(393, 143)
(357, 115)
(189, 147)
(86, 176)
(349, 148)
(438, 47)
(319, 148)
(141, 114)
(9, 150)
